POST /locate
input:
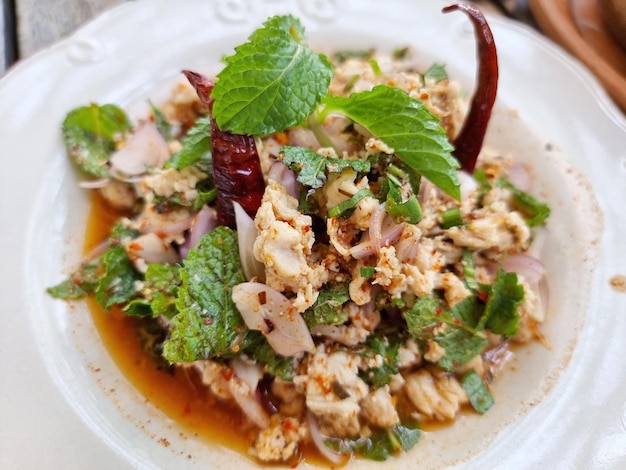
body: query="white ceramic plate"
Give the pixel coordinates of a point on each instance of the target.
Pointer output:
(63, 402)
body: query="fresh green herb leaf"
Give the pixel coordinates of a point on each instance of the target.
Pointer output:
(196, 146)
(345, 208)
(288, 82)
(118, 284)
(501, 314)
(161, 289)
(79, 284)
(408, 126)
(459, 337)
(311, 167)
(468, 270)
(90, 133)
(460, 346)
(477, 392)
(436, 73)
(535, 211)
(262, 352)
(397, 206)
(208, 323)
(161, 122)
(381, 444)
(387, 347)
(327, 308)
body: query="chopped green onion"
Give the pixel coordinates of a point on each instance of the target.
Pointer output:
(477, 392)
(375, 67)
(350, 83)
(401, 210)
(536, 212)
(344, 208)
(368, 271)
(468, 270)
(450, 218)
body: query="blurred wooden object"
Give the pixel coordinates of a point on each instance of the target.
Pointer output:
(41, 23)
(576, 25)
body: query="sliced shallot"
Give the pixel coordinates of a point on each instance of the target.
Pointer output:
(245, 398)
(383, 231)
(246, 235)
(267, 310)
(282, 174)
(151, 249)
(319, 440)
(529, 267)
(204, 222)
(146, 148)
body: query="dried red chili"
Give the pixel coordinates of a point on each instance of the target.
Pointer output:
(470, 139)
(236, 166)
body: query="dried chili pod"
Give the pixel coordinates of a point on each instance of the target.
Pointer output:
(236, 167)
(470, 139)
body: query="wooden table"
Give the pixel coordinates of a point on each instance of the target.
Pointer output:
(31, 25)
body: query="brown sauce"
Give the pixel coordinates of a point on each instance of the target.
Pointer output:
(173, 393)
(196, 411)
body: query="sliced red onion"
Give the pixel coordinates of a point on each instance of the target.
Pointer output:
(267, 310)
(406, 249)
(530, 268)
(169, 229)
(246, 235)
(540, 236)
(318, 439)
(282, 174)
(94, 184)
(203, 222)
(519, 177)
(383, 231)
(468, 184)
(245, 398)
(145, 148)
(303, 138)
(250, 372)
(151, 249)
(376, 227)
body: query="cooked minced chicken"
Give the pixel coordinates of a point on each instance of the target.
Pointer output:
(369, 364)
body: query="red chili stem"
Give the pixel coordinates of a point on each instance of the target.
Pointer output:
(236, 167)
(469, 141)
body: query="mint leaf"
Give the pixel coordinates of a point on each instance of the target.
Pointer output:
(460, 337)
(327, 308)
(387, 347)
(118, 283)
(208, 323)
(436, 72)
(381, 444)
(501, 315)
(160, 290)
(79, 284)
(262, 352)
(89, 134)
(477, 392)
(161, 122)
(312, 167)
(460, 346)
(272, 82)
(406, 125)
(196, 146)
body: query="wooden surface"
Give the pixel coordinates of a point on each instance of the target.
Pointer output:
(32, 25)
(576, 25)
(39, 23)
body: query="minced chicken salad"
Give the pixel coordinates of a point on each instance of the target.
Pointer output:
(301, 222)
